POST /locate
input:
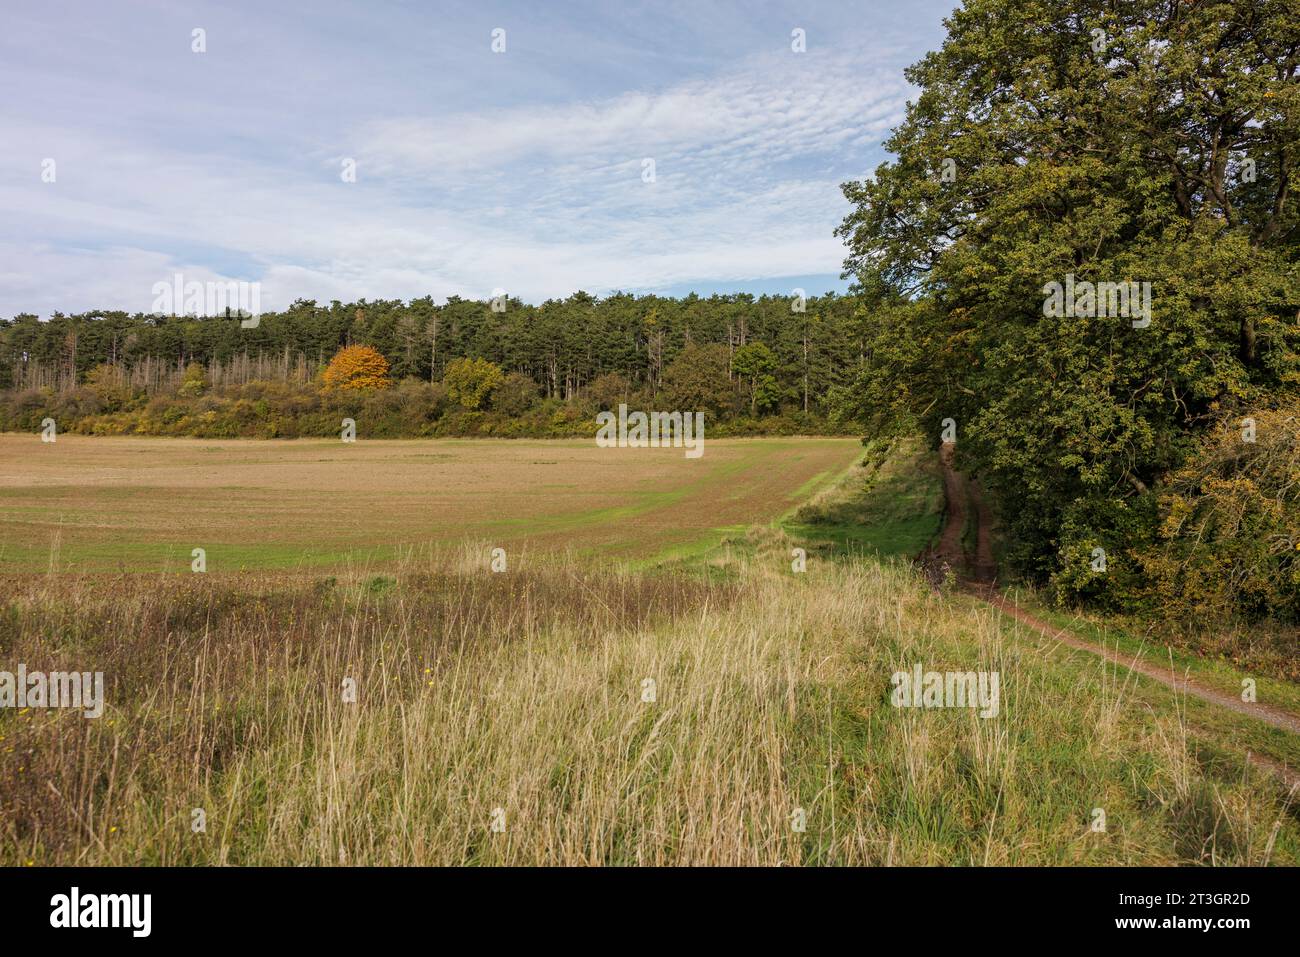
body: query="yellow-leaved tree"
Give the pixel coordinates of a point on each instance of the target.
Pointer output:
(469, 381)
(357, 367)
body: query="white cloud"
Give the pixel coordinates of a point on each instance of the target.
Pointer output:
(540, 201)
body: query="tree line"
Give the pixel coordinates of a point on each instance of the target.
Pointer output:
(735, 356)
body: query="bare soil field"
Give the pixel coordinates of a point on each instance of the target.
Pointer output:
(143, 504)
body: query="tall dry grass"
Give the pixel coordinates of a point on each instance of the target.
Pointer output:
(523, 692)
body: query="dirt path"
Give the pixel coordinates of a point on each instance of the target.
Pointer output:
(955, 496)
(947, 554)
(977, 575)
(985, 568)
(1166, 676)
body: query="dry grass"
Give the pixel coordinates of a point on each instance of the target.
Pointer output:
(523, 691)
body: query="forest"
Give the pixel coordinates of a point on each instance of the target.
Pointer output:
(755, 365)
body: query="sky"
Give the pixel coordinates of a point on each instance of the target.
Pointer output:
(666, 147)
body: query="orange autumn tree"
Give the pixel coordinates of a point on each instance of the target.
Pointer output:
(357, 367)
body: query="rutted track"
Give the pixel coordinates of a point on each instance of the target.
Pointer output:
(977, 575)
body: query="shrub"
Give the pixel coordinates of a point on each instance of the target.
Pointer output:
(514, 395)
(608, 390)
(194, 381)
(1229, 540)
(470, 381)
(70, 406)
(109, 386)
(1111, 578)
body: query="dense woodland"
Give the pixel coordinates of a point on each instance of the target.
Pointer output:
(562, 345)
(741, 360)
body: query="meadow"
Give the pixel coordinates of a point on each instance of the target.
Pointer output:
(666, 700)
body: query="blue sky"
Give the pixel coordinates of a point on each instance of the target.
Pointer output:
(475, 171)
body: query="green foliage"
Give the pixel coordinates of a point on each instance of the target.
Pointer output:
(1229, 542)
(755, 364)
(379, 585)
(697, 381)
(514, 395)
(1111, 579)
(194, 381)
(469, 381)
(1030, 155)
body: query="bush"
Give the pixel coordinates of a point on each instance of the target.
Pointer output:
(1229, 539)
(470, 381)
(195, 380)
(77, 404)
(109, 386)
(514, 395)
(608, 390)
(1111, 578)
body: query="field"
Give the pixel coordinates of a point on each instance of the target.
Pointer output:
(702, 702)
(143, 504)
